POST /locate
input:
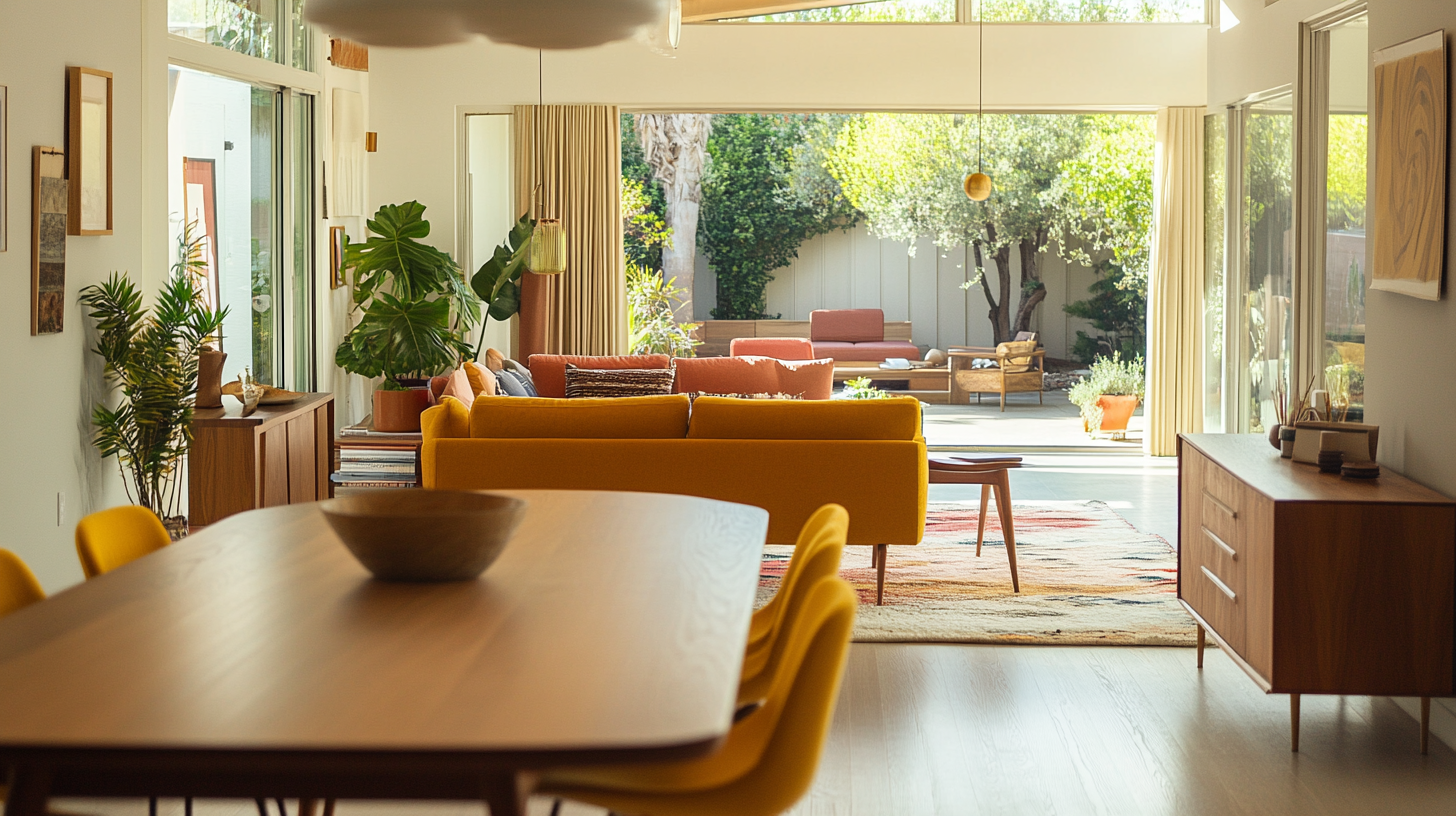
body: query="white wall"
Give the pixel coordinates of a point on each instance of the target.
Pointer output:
(52, 382)
(852, 269)
(417, 95)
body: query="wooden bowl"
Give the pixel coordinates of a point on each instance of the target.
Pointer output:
(425, 535)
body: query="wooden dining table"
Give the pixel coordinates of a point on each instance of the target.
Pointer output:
(257, 658)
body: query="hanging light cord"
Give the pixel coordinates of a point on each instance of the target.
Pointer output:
(536, 121)
(980, 88)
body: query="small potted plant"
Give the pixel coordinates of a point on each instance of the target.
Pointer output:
(415, 309)
(1109, 394)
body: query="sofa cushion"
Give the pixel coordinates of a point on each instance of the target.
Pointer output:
(447, 419)
(661, 417)
(779, 348)
(618, 382)
(847, 325)
(867, 352)
(810, 379)
(549, 370)
(457, 385)
(895, 418)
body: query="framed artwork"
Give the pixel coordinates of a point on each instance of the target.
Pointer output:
(1410, 167)
(4, 170)
(49, 208)
(337, 242)
(199, 202)
(88, 150)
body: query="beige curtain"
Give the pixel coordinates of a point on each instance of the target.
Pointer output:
(1175, 287)
(583, 310)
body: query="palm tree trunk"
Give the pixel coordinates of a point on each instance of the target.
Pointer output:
(675, 145)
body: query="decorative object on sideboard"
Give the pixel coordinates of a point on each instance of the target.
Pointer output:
(246, 391)
(152, 358)
(348, 54)
(209, 377)
(266, 394)
(1360, 470)
(1410, 167)
(1359, 443)
(88, 150)
(425, 535)
(413, 309)
(1286, 442)
(48, 207)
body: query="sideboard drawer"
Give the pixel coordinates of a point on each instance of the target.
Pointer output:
(1212, 583)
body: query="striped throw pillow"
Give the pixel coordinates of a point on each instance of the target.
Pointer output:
(618, 382)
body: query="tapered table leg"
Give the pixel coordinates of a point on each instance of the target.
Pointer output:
(1294, 723)
(30, 787)
(1202, 641)
(981, 522)
(884, 552)
(1008, 527)
(506, 793)
(1425, 725)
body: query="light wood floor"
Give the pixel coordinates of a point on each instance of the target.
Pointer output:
(1004, 730)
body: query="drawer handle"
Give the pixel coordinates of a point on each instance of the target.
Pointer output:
(1222, 587)
(1233, 514)
(1222, 545)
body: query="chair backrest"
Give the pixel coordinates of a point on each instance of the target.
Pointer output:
(18, 587)
(1015, 355)
(112, 538)
(770, 756)
(1022, 337)
(816, 556)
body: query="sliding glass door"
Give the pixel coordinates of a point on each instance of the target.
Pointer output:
(1267, 246)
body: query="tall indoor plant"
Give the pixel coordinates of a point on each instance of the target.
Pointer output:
(415, 309)
(151, 358)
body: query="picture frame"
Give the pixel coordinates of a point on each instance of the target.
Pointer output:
(49, 212)
(89, 150)
(1410, 129)
(338, 240)
(4, 169)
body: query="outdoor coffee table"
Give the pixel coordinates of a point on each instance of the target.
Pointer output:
(257, 658)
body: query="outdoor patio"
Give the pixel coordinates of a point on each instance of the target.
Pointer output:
(1023, 426)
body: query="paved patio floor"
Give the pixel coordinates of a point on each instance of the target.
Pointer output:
(1023, 425)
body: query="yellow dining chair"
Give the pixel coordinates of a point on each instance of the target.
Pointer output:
(112, 538)
(817, 554)
(770, 756)
(18, 587)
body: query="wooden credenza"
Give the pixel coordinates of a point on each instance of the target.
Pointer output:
(280, 454)
(1313, 583)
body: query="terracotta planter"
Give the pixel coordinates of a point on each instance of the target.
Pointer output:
(399, 411)
(1116, 411)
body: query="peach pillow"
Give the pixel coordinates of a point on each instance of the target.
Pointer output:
(457, 385)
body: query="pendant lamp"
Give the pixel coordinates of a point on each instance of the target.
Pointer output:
(978, 185)
(547, 253)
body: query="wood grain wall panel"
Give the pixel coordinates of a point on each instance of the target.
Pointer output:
(1366, 598)
(273, 466)
(924, 293)
(302, 460)
(951, 299)
(894, 280)
(866, 272)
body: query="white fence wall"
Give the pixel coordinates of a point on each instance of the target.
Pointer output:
(854, 269)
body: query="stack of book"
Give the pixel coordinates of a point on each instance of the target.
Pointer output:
(371, 459)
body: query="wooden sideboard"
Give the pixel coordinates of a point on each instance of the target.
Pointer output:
(1313, 583)
(280, 454)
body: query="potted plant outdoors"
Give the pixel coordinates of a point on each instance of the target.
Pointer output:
(152, 359)
(1109, 394)
(415, 310)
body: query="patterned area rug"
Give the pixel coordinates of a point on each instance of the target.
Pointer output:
(1088, 578)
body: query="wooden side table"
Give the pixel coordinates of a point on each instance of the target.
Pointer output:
(281, 454)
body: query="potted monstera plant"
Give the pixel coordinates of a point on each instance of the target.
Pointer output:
(414, 310)
(1109, 394)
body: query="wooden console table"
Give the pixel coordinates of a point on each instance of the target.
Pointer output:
(281, 454)
(1313, 583)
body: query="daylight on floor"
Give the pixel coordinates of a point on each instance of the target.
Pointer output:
(751, 407)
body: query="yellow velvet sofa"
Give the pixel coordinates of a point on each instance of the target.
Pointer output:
(786, 456)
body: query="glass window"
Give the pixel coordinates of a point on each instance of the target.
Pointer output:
(1345, 275)
(223, 146)
(1268, 203)
(1215, 157)
(882, 11)
(246, 26)
(1095, 11)
(300, 55)
(490, 199)
(301, 301)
